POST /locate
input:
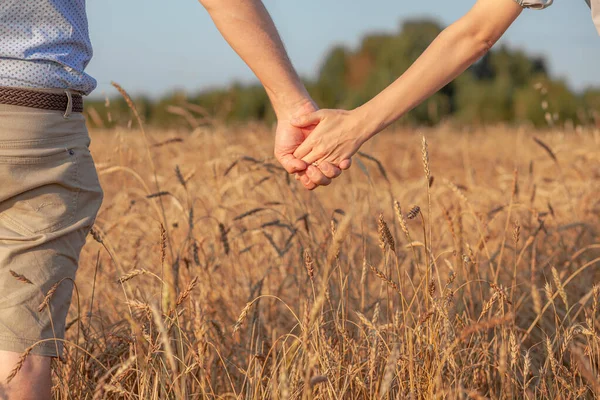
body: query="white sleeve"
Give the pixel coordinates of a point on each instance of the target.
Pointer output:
(535, 4)
(596, 13)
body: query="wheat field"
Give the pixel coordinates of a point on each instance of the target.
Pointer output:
(446, 263)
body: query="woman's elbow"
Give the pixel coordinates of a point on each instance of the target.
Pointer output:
(209, 4)
(483, 30)
(482, 45)
(484, 41)
(478, 40)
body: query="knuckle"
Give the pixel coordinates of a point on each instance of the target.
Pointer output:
(326, 168)
(317, 180)
(333, 174)
(324, 181)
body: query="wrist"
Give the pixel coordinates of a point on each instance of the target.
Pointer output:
(367, 123)
(291, 104)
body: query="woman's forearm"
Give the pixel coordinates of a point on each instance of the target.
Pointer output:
(449, 55)
(446, 58)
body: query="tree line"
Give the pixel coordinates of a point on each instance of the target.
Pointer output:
(505, 86)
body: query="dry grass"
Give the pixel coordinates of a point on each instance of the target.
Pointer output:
(257, 289)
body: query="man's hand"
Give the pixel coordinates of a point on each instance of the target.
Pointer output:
(289, 137)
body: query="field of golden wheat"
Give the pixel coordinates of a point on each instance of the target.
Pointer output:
(445, 264)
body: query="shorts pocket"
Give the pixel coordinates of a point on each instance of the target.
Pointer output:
(39, 188)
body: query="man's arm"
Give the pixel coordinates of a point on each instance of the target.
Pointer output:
(250, 31)
(340, 133)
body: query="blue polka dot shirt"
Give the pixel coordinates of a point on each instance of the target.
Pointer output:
(45, 44)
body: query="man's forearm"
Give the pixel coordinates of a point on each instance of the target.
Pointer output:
(450, 54)
(250, 31)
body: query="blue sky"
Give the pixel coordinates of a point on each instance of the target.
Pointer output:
(156, 46)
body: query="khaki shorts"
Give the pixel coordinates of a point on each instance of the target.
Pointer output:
(49, 198)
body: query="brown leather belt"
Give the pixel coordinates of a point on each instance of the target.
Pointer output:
(42, 100)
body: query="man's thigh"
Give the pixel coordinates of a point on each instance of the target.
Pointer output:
(49, 198)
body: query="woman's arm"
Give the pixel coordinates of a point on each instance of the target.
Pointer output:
(339, 134)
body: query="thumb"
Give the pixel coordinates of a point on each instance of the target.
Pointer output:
(307, 120)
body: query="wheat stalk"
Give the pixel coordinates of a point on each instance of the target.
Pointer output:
(388, 373)
(559, 287)
(385, 278)
(385, 236)
(20, 278)
(185, 294)
(242, 317)
(550, 354)
(49, 295)
(19, 364)
(526, 369)
(132, 274)
(309, 264)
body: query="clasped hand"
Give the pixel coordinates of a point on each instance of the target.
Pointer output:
(317, 145)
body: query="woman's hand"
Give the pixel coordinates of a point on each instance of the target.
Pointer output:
(336, 135)
(289, 137)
